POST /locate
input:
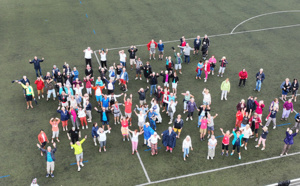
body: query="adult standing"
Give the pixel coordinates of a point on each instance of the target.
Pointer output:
(104, 116)
(263, 138)
(152, 45)
(206, 40)
(186, 145)
(223, 64)
(294, 88)
(148, 131)
(128, 107)
(197, 44)
(29, 94)
(225, 88)
(50, 89)
(103, 58)
(288, 107)
(288, 140)
(152, 118)
(147, 71)
(187, 52)
(88, 56)
(160, 47)
(124, 78)
(138, 68)
(135, 139)
(191, 107)
(64, 117)
(132, 52)
(74, 134)
(241, 105)
(247, 132)
(95, 135)
(24, 80)
(178, 125)
(259, 107)
(206, 68)
(174, 82)
(89, 72)
(171, 110)
(55, 128)
(102, 138)
(206, 97)
(43, 140)
(153, 82)
(225, 141)
(37, 67)
(285, 87)
(122, 58)
(260, 76)
(169, 139)
(236, 142)
(142, 95)
(212, 62)
(243, 75)
(50, 158)
(78, 151)
(204, 50)
(153, 140)
(212, 143)
(178, 61)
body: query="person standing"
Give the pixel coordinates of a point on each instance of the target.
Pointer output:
(212, 62)
(64, 117)
(124, 128)
(288, 140)
(24, 80)
(74, 134)
(247, 133)
(263, 138)
(211, 124)
(132, 52)
(148, 131)
(197, 44)
(285, 87)
(236, 142)
(174, 82)
(160, 47)
(95, 135)
(55, 129)
(186, 145)
(153, 82)
(89, 72)
(203, 127)
(152, 45)
(102, 138)
(29, 94)
(204, 50)
(50, 158)
(36, 62)
(122, 58)
(88, 56)
(153, 140)
(169, 139)
(138, 68)
(212, 143)
(78, 151)
(178, 61)
(142, 95)
(206, 97)
(187, 52)
(288, 107)
(206, 40)
(103, 59)
(135, 139)
(225, 88)
(225, 141)
(124, 78)
(206, 68)
(294, 88)
(260, 76)
(191, 107)
(43, 140)
(152, 118)
(171, 110)
(104, 116)
(40, 86)
(199, 69)
(223, 64)
(147, 71)
(255, 122)
(178, 125)
(297, 122)
(243, 75)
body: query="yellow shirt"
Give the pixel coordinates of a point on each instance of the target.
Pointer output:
(29, 90)
(78, 148)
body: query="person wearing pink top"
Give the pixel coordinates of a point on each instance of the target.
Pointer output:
(259, 107)
(206, 69)
(203, 128)
(88, 84)
(73, 116)
(288, 107)
(212, 61)
(225, 141)
(55, 129)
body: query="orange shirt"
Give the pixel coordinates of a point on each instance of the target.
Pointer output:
(55, 125)
(128, 105)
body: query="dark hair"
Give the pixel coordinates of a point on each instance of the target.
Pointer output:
(42, 130)
(95, 124)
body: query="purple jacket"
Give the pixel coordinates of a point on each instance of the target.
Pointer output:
(288, 106)
(289, 138)
(191, 106)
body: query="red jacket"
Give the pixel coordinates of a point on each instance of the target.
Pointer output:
(207, 69)
(39, 84)
(243, 75)
(257, 122)
(42, 137)
(148, 45)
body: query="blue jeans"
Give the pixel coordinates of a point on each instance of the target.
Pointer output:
(186, 58)
(152, 87)
(186, 152)
(123, 63)
(258, 85)
(199, 72)
(152, 124)
(212, 68)
(36, 71)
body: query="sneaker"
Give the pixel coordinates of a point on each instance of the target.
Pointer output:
(47, 175)
(47, 99)
(251, 136)
(203, 139)
(209, 136)
(267, 119)
(53, 99)
(256, 139)
(42, 96)
(231, 153)
(280, 154)
(123, 139)
(286, 153)
(95, 144)
(245, 148)
(82, 127)
(274, 127)
(240, 157)
(136, 78)
(225, 99)
(126, 90)
(81, 164)
(100, 150)
(226, 154)
(115, 123)
(140, 78)
(221, 99)
(212, 73)
(212, 158)
(263, 148)
(86, 127)
(147, 80)
(222, 75)
(79, 169)
(258, 91)
(127, 139)
(187, 119)
(184, 112)
(39, 97)
(191, 118)
(256, 146)
(170, 122)
(52, 175)
(71, 147)
(208, 157)
(242, 145)
(154, 58)
(222, 153)
(218, 75)
(205, 80)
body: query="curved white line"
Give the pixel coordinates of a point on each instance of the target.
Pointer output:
(278, 12)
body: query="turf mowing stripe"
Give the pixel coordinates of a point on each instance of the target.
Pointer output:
(218, 169)
(218, 35)
(150, 149)
(4, 176)
(76, 163)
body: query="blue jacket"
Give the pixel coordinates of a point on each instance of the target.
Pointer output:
(150, 115)
(94, 131)
(195, 43)
(52, 153)
(76, 74)
(113, 83)
(289, 139)
(125, 75)
(36, 63)
(64, 116)
(169, 139)
(262, 76)
(160, 47)
(235, 138)
(297, 117)
(148, 131)
(24, 82)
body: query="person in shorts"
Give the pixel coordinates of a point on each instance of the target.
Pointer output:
(132, 52)
(138, 68)
(255, 122)
(178, 125)
(161, 47)
(118, 69)
(104, 116)
(55, 129)
(102, 138)
(152, 45)
(116, 111)
(50, 158)
(141, 118)
(178, 61)
(225, 141)
(43, 140)
(203, 128)
(29, 93)
(211, 124)
(128, 107)
(174, 82)
(236, 142)
(78, 151)
(124, 128)
(247, 133)
(124, 78)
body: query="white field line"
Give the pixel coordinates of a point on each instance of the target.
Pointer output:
(97, 58)
(217, 35)
(283, 102)
(270, 13)
(142, 164)
(294, 180)
(219, 169)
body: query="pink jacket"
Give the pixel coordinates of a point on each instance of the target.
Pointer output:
(73, 113)
(212, 60)
(259, 109)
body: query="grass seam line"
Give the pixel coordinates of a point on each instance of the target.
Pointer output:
(76, 163)
(4, 176)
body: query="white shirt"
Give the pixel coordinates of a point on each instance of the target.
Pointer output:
(81, 113)
(212, 143)
(78, 90)
(102, 136)
(206, 97)
(141, 117)
(186, 144)
(73, 103)
(247, 132)
(98, 92)
(154, 139)
(88, 54)
(135, 137)
(123, 57)
(103, 56)
(110, 86)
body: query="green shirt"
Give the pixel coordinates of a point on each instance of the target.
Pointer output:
(29, 90)
(78, 148)
(225, 86)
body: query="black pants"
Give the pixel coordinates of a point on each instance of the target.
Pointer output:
(242, 80)
(88, 62)
(74, 140)
(103, 64)
(190, 114)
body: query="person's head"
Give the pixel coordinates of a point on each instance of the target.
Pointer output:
(71, 107)
(187, 138)
(261, 102)
(238, 133)
(105, 96)
(89, 48)
(54, 67)
(170, 58)
(205, 36)
(124, 69)
(295, 80)
(187, 45)
(242, 101)
(170, 129)
(178, 54)
(247, 126)
(147, 124)
(88, 67)
(155, 134)
(290, 100)
(158, 87)
(27, 84)
(265, 128)
(102, 69)
(287, 80)
(276, 100)
(41, 131)
(244, 70)
(160, 41)
(208, 115)
(24, 77)
(152, 41)
(261, 70)
(63, 108)
(78, 86)
(95, 124)
(171, 102)
(175, 74)
(255, 115)
(204, 118)
(101, 130)
(49, 149)
(213, 56)
(151, 110)
(74, 68)
(224, 57)
(142, 90)
(290, 132)
(200, 61)
(35, 57)
(172, 94)
(78, 143)
(148, 63)
(179, 116)
(187, 92)
(58, 73)
(103, 109)
(206, 61)
(135, 131)
(227, 133)
(128, 99)
(198, 37)
(213, 137)
(166, 72)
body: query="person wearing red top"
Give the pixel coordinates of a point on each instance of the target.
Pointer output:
(55, 129)
(40, 86)
(165, 100)
(255, 122)
(124, 127)
(43, 140)
(225, 141)
(259, 107)
(239, 118)
(243, 75)
(128, 107)
(152, 45)
(206, 69)
(88, 84)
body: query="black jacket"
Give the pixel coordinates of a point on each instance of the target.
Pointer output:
(101, 113)
(89, 72)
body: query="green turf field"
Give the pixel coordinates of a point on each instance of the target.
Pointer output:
(60, 30)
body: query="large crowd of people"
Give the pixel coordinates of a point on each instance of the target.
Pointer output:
(76, 91)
